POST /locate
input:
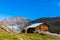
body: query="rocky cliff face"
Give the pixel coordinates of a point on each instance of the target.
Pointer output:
(16, 23)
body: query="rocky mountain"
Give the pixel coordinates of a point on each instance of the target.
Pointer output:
(16, 23)
(53, 23)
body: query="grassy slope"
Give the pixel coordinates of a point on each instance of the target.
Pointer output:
(8, 36)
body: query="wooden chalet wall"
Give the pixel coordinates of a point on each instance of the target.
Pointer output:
(39, 28)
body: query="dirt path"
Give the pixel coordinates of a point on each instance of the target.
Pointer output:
(21, 39)
(52, 34)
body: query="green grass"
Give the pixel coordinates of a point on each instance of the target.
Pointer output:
(8, 36)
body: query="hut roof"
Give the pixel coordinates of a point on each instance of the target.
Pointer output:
(34, 25)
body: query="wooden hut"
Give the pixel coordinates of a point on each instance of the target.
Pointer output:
(37, 27)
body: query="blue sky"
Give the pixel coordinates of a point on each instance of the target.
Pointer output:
(31, 9)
